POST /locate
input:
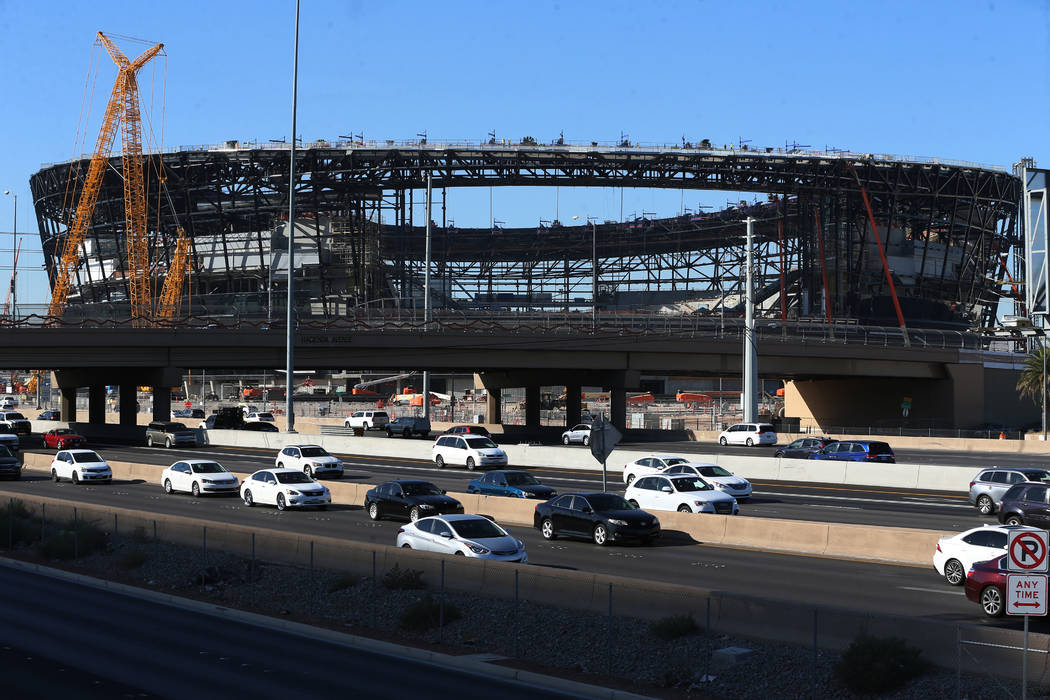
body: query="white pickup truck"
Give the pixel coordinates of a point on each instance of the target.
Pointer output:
(16, 422)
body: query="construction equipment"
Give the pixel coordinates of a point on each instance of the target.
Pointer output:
(14, 275)
(122, 110)
(171, 293)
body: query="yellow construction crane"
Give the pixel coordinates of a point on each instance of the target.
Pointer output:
(171, 293)
(121, 110)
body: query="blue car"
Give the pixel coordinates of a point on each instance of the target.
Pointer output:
(857, 451)
(516, 484)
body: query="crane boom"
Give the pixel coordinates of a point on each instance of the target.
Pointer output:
(14, 276)
(121, 110)
(171, 292)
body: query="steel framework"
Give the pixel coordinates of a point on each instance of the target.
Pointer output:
(947, 229)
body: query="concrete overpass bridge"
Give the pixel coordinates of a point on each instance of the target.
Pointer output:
(841, 374)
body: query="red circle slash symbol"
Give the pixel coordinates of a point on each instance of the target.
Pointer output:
(1027, 547)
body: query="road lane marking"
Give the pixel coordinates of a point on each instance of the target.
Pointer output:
(931, 590)
(863, 500)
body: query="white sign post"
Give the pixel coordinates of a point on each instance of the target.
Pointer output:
(1026, 584)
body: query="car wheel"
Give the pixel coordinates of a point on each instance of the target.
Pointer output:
(684, 509)
(601, 535)
(985, 505)
(440, 462)
(470, 464)
(992, 601)
(722, 441)
(633, 503)
(953, 572)
(406, 545)
(407, 433)
(390, 433)
(167, 487)
(414, 514)
(167, 443)
(196, 490)
(75, 479)
(630, 479)
(308, 471)
(778, 453)
(149, 441)
(1014, 520)
(749, 442)
(459, 554)
(547, 529)
(61, 445)
(367, 426)
(565, 439)
(586, 440)
(281, 504)
(248, 501)
(54, 475)
(373, 511)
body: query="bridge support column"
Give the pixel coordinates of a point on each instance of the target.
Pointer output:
(97, 405)
(618, 407)
(493, 406)
(128, 404)
(532, 406)
(161, 403)
(68, 404)
(573, 405)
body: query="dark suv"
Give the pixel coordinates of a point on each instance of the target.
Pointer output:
(1026, 504)
(407, 426)
(803, 447)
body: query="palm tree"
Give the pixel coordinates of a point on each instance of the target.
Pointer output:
(1032, 375)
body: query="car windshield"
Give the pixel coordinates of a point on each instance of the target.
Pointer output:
(264, 416)
(671, 461)
(477, 528)
(86, 457)
(1037, 476)
(480, 443)
(315, 452)
(63, 431)
(690, 483)
(207, 468)
(293, 478)
(15, 416)
(521, 479)
(713, 471)
(421, 489)
(608, 501)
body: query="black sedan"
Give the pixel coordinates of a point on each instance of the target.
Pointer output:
(49, 415)
(409, 499)
(602, 517)
(803, 447)
(260, 427)
(10, 464)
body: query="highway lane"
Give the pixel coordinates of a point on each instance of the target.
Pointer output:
(906, 590)
(182, 654)
(797, 501)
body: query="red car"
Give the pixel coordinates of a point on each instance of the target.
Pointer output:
(62, 438)
(467, 430)
(986, 584)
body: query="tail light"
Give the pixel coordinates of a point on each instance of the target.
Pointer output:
(972, 483)
(938, 546)
(400, 530)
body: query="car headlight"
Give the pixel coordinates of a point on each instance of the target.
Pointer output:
(208, 481)
(293, 492)
(720, 487)
(477, 548)
(521, 545)
(700, 504)
(425, 506)
(622, 523)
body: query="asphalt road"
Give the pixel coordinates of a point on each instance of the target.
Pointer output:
(905, 590)
(773, 499)
(167, 652)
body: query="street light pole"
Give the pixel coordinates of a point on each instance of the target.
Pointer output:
(594, 273)
(289, 375)
(750, 351)
(426, 303)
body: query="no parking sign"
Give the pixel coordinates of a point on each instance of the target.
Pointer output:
(1027, 551)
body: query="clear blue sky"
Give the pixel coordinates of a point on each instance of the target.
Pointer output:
(963, 80)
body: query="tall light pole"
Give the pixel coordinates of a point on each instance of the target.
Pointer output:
(14, 253)
(750, 351)
(289, 375)
(426, 303)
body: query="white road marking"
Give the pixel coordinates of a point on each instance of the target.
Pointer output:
(862, 500)
(931, 590)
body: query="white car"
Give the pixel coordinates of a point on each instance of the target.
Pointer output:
(578, 433)
(470, 535)
(686, 494)
(954, 555)
(263, 417)
(80, 466)
(284, 488)
(472, 451)
(650, 465)
(719, 477)
(367, 420)
(748, 434)
(312, 460)
(198, 476)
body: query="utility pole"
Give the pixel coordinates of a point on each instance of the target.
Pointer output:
(426, 303)
(289, 375)
(750, 351)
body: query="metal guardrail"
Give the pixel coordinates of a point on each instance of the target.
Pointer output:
(931, 432)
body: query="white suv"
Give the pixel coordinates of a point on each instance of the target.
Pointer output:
(312, 460)
(686, 494)
(16, 421)
(260, 417)
(472, 451)
(368, 420)
(748, 434)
